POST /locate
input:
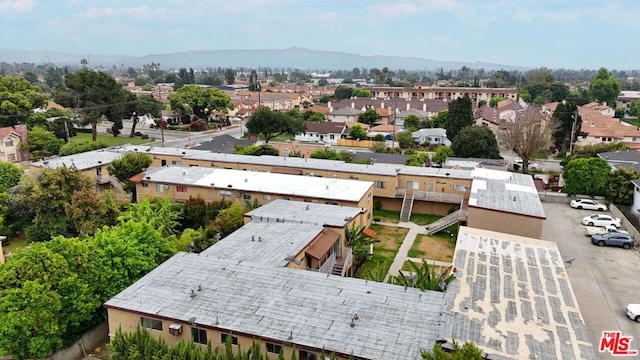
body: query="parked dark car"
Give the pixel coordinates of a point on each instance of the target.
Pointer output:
(613, 239)
(138, 133)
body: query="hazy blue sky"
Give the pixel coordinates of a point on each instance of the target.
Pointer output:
(532, 33)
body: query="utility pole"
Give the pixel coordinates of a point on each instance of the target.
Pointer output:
(573, 130)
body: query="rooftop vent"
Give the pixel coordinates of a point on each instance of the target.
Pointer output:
(148, 177)
(192, 320)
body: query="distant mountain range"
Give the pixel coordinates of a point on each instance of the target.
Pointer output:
(295, 57)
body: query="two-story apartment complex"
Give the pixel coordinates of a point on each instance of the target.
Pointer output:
(251, 187)
(444, 93)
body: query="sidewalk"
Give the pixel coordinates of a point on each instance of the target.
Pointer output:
(403, 252)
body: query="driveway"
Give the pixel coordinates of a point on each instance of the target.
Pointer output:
(604, 279)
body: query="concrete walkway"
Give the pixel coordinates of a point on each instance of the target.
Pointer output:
(403, 252)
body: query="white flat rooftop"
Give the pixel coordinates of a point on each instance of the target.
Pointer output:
(262, 182)
(81, 161)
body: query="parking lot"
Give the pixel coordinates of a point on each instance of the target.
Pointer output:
(604, 279)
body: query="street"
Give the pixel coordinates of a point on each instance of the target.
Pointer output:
(603, 278)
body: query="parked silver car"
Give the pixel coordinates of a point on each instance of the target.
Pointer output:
(613, 239)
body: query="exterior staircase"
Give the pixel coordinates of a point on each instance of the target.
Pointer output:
(407, 206)
(337, 269)
(444, 222)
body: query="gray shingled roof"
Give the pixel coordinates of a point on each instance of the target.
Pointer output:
(629, 159)
(513, 298)
(274, 302)
(299, 212)
(505, 191)
(268, 243)
(346, 111)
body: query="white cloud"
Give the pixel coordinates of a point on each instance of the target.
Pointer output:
(16, 6)
(138, 13)
(402, 9)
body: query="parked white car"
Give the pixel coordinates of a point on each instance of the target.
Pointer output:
(588, 204)
(519, 162)
(633, 312)
(601, 220)
(592, 230)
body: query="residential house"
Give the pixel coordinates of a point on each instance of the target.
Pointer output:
(386, 116)
(626, 99)
(388, 131)
(222, 144)
(10, 140)
(497, 117)
(597, 128)
(401, 115)
(322, 132)
(432, 136)
(344, 115)
(601, 108)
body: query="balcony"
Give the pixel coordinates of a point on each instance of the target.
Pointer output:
(437, 197)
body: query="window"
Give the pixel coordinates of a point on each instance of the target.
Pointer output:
(199, 336)
(307, 355)
(332, 137)
(430, 187)
(225, 194)
(8, 143)
(161, 187)
(144, 185)
(379, 184)
(175, 162)
(266, 197)
(181, 189)
(460, 187)
(151, 324)
(273, 348)
(246, 197)
(234, 339)
(413, 185)
(11, 157)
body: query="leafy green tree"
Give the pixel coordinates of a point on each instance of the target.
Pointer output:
(370, 116)
(441, 155)
(127, 166)
(142, 105)
(439, 120)
(525, 96)
(89, 211)
(42, 143)
(228, 220)
(197, 213)
(604, 87)
(418, 159)
(160, 213)
(361, 93)
(313, 116)
(325, 153)
(459, 116)
(270, 124)
(425, 277)
(93, 95)
(476, 141)
(53, 77)
(323, 82)
(620, 188)
(10, 175)
(29, 321)
(357, 132)
(587, 176)
(343, 92)
(201, 102)
(62, 128)
(565, 117)
(254, 83)
(257, 150)
(494, 101)
(412, 123)
(468, 351)
(46, 196)
(404, 139)
(230, 76)
(18, 97)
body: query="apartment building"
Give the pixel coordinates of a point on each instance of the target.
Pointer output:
(250, 187)
(444, 93)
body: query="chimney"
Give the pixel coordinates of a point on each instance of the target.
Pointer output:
(353, 105)
(382, 105)
(424, 107)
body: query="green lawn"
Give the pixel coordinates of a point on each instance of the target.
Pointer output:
(424, 219)
(634, 122)
(110, 140)
(384, 251)
(387, 215)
